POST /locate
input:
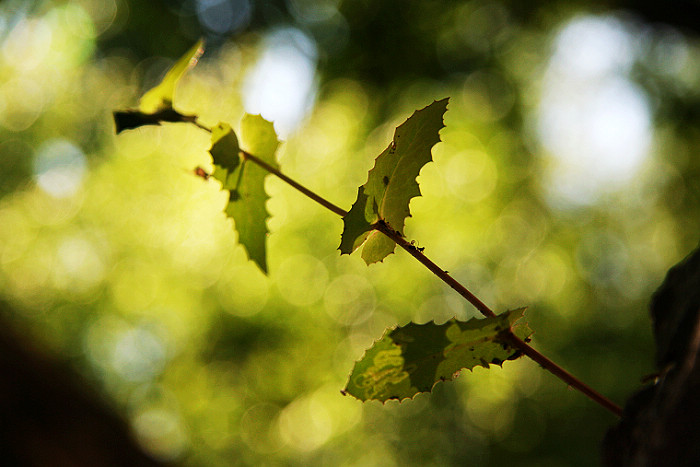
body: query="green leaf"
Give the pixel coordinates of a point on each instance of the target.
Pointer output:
(224, 151)
(391, 184)
(413, 358)
(246, 181)
(355, 226)
(161, 96)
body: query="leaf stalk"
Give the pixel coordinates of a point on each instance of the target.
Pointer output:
(384, 228)
(511, 338)
(322, 201)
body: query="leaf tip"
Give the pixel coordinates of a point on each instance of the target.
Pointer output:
(263, 267)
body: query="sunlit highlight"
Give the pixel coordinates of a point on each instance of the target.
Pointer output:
(59, 168)
(282, 85)
(593, 120)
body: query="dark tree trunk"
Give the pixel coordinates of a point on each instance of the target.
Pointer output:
(49, 416)
(661, 423)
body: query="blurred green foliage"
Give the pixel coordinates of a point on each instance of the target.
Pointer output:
(120, 260)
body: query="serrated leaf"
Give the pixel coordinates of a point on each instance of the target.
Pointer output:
(246, 181)
(161, 96)
(412, 358)
(391, 184)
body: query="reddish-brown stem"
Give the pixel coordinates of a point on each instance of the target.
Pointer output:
(512, 339)
(248, 156)
(442, 274)
(322, 201)
(199, 124)
(516, 342)
(563, 375)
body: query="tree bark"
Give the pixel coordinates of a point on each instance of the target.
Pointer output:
(49, 415)
(660, 422)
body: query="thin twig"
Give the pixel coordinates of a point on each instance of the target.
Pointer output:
(563, 375)
(512, 339)
(248, 156)
(322, 201)
(434, 268)
(515, 341)
(201, 125)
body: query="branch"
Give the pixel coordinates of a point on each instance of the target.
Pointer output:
(516, 342)
(382, 226)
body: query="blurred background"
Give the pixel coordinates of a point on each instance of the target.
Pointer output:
(567, 181)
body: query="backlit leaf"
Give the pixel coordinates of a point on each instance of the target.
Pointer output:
(161, 96)
(412, 358)
(245, 181)
(391, 184)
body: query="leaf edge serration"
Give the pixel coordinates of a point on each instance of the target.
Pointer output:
(366, 215)
(517, 326)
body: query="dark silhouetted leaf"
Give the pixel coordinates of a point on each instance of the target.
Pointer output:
(224, 150)
(156, 105)
(129, 119)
